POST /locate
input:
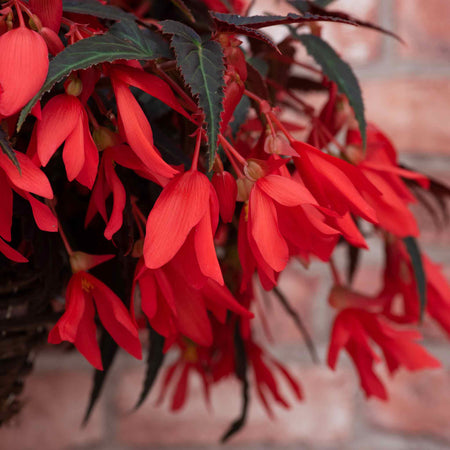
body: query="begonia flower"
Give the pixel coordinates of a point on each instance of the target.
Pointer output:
(64, 120)
(23, 68)
(185, 217)
(86, 294)
(355, 328)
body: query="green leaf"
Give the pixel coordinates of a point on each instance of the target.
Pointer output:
(123, 41)
(7, 149)
(323, 3)
(234, 22)
(419, 272)
(96, 9)
(200, 61)
(318, 8)
(155, 360)
(338, 71)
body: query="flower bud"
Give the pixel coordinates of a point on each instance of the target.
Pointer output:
(73, 86)
(244, 186)
(104, 138)
(254, 170)
(80, 261)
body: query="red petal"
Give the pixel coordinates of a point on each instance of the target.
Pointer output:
(10, 253)
(150, 84)
(119, 200)
(88, 173)
(60, 116)
(179, 396)
(30, 178)
(45, 219)
(181, 205)
(138, 131)
(205, 250)
(147, 287)
(6, 211)
(49, 12)
(220, 295)
(73, 152)
(265, 231)
(285, 191)
(115, 317)
(226, 188)
(77, 324)
(23, 68)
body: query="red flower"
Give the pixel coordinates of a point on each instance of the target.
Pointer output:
(400, 284)
(339, 186)
(281, 220)
(185, 216)
(65, 120)
(77, 324)
(23, 68)
(352, 330)
(108, 182)
(265, 380)
(29, 180)
(191, 359)
(379, 165)
(173, 306)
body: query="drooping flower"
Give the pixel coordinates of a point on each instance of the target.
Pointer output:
(86, 294)
(23, 68)
(279, 219)
(185, 217)
(265, 380)
(338, 186)
(108, 182)
(400, 286)
(354, 328)
(174, 306)
(192, 359)
(379, 165)
(64, 119)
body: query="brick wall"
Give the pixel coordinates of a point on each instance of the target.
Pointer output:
(407, 93)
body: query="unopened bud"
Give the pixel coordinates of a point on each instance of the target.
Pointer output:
(80, 261)
(244, 186)
(354, 154)
(254, 170)
(104, 138)
(35, 23)
(138, 249)
(74, 87)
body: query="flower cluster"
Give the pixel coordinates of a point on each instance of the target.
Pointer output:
(124, 145)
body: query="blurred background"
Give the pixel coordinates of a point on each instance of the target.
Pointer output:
(407, 94)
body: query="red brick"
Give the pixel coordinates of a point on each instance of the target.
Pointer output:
(51, 417)
(418, 404)
(425, 29)
(325, 417)
(411, 111)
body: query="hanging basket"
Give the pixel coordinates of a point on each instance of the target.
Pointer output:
(26, 291)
